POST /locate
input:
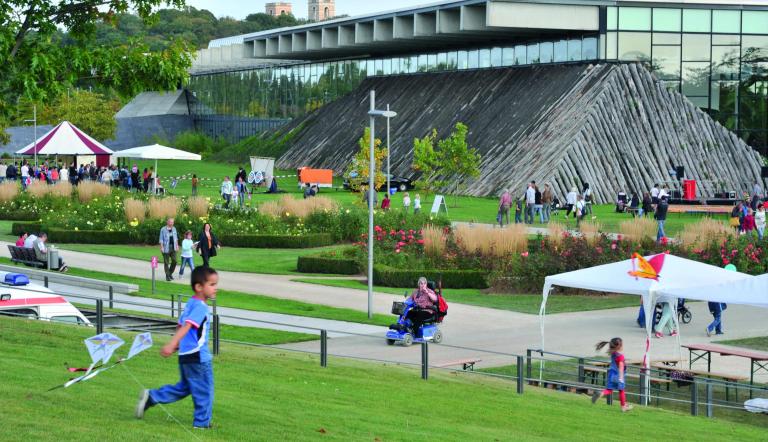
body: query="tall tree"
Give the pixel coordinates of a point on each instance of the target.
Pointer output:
(358, 171)
(37, 64)
(452, 161)
(92, 112)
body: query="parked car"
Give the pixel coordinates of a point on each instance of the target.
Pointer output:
(402, 184)
(20, 298)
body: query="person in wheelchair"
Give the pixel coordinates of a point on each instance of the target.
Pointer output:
(425, 299)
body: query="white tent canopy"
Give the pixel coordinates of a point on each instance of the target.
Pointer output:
(65, 139)
(157, 152)
(749, 291)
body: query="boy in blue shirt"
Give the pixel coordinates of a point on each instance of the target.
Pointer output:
(191, 340)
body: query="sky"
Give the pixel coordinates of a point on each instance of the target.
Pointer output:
(238, 8)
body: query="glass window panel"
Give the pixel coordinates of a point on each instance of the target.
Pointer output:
(696, 20)
(673, 86)
(754, 50)
(462, 59)
(496, 57)
(442, 61)
(520, 54)
(611, 48)
(452, 60)
(665, 19)
(379, 67)
(413, 65)
(370, 70)
(423, 64)
(508, 56)
(696, 79)
(666, 62)
(754, 22)
(533, 54)
(561, 51)
(634, 19)
(574, 50)
(726, 21)
(546, 52)
(696, 47)
(701, 102)
(723, 39)
(431, 62)
(725, 97)
(472, 61)
(485, 58)
(725, 62)
(634, 46)
(613, 18)
(666, 39)
(589, 48)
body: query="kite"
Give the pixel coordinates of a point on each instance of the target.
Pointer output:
(140, 343)
(647, 269)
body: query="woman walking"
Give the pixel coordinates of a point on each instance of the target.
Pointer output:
(207, 243)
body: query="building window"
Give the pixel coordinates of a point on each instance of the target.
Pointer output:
(696, 20)
(326, 13)
(612, 19)
(634, 19)
(727, 22)
(667, 20)
(754, 22)
(696, 47)
(634, 46)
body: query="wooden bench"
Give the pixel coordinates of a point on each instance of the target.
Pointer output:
(588, 369)
(24, 255)
(467, 364)
(703, 373)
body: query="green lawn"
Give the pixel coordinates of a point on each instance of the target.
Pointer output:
(265, 394)
(517, 303)
(234, 299)
(758, 343)
(234, 259)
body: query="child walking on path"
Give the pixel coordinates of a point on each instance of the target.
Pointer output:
(616, 373)
(186, 253)
(195, 366)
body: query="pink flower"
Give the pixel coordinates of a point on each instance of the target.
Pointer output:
(619, 237)
(599, 250)
(613, 246)
(397, 250)
(420, 241)
(666, 252)
(377, 228)
(400, 244)
(524, 254)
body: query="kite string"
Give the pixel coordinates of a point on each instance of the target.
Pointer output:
(161, 406)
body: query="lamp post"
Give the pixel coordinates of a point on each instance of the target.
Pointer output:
(372, 114)
(34, 120)
(388, 114)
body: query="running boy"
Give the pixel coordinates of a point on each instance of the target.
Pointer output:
(191, 340)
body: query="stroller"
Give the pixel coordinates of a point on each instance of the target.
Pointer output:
(403, 332)
(684, 315)
(556, 206)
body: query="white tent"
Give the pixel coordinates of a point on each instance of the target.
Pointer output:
(157, 152)
(748, 291)
(67, 139)
(675, 273)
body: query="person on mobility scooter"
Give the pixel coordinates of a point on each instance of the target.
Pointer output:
(419, 316)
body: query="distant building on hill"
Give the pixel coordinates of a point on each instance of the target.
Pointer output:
(278, 8)
(320, 10)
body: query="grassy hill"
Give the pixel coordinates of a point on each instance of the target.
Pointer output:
(268, 394)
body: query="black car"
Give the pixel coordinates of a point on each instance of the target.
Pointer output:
(400, 183)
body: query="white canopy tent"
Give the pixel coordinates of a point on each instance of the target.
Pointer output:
(157, 152)
(748, 291)
(692, 277)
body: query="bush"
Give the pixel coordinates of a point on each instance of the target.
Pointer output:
(306, 241)
(20, 216)
(88, 237)
(454, 279)
(327, 264)
(31, 227)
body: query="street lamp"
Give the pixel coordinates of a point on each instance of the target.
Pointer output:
(373, 113)
(388, 114)
(34, 120)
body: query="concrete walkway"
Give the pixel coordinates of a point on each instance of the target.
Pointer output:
(471, 326)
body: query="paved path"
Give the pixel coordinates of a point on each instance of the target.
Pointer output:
(472, 326)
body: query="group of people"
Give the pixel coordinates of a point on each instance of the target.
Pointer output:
(237, 190)
(206, 245)
(386, 203)
(38, 242)
(543, 203)
(748, 220)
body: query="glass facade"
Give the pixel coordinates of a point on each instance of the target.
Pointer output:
(718, 58)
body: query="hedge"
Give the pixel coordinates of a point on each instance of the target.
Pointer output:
(277, 241)
(455, 279)
(326, 264)
(18, 228)
(20, 216)
(88, 237)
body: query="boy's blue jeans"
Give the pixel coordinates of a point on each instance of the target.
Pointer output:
(196, 380)
(716, 325)
(186, 261)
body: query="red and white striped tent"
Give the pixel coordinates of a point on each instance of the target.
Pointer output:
(67, 139)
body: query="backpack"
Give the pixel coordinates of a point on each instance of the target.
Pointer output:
(442, 307)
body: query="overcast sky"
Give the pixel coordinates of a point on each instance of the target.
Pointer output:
(240, 8)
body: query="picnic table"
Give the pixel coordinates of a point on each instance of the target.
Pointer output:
(758, 359)
(727, 377)
(667, 361)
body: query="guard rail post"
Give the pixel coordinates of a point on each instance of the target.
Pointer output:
(178, 305)
(323, 348)
(520, 378)
(216, 334)
(111, 297)
(424, 360)
(695, 398)
(45, 281)
(99, 316)
(710, 411)
(643, 390)
(581, 370)
(173, 307)
(528, 364)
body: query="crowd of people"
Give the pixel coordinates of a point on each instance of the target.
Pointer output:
(543, 203)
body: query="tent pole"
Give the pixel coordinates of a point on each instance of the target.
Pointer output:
(154, 179)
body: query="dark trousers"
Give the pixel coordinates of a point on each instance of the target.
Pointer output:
(206, 257)
(169, 263)
(418, 316)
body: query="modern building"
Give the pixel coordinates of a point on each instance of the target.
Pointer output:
(713, 52)
(319, 10)
(278, 8)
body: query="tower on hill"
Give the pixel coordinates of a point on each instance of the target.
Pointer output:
(278, 8)
(320, 10)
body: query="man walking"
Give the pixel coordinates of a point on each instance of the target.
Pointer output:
(505, 202)
(716, 308)
(546, 202)
(530, 201)
(661, 216)
(169, 244)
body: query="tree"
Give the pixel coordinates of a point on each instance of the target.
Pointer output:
(40, 65)
(92, 112)
(452, 161)
(357, 172)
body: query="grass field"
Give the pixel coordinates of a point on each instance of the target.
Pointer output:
(758, 343)
(517, 303)
(234, 299)
(264, 394)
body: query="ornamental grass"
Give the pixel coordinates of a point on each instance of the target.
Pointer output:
(88, 190)
(698, 235)
(161, 208)
(62, 189)
(301, 208)
(557, 232)
(490, 241)
(135, 209)
(38, 189)
(271, 208)
(639, 229)
(590, 230)
(434, 241)
(8, 191)
(198, 206)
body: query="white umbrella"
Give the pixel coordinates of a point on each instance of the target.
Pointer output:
(157, 152)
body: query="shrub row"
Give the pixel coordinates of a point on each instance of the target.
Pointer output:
(326, 264)
(19, 216)
(18, 228)
(455, 279)
(278, 241)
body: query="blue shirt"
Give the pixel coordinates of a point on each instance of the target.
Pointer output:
(195, 343)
